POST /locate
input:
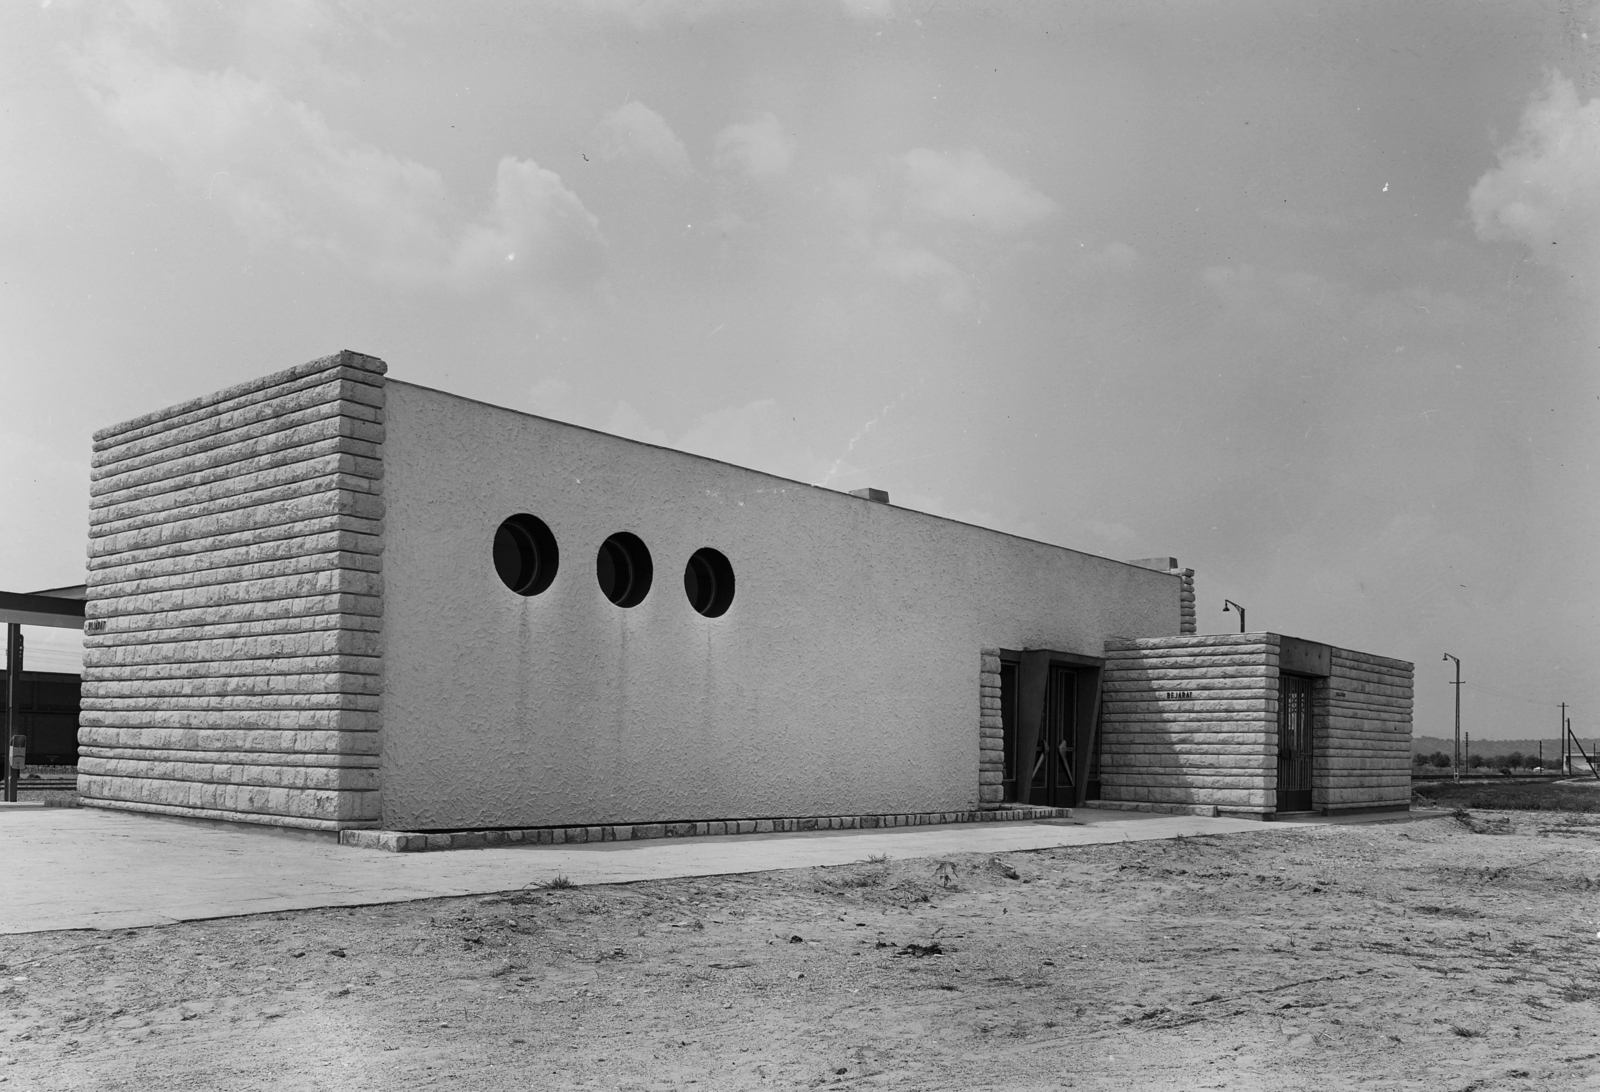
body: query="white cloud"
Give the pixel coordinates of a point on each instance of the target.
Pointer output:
(1117, 534)
(756, 149)
(1234, 285)
(758, 435)
(629, 422)
(965, 187)
(554, 398)
(651, 15)
(858, 198)
(633, 129)
(273, 165)
(936, 505)
(1273, 298)
(1545, 193)
(1119, 257)
(918, 264)
(536, 224)
(894, 216)
(282, 174)
(1291, 300)
(868, 9)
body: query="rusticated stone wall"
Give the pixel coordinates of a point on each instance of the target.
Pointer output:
(1191, 721)
(991, 731)
(1363, 759)
(232, 663)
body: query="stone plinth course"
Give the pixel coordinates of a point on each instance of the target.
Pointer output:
(400, 841)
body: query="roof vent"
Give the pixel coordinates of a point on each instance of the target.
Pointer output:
(876, 496)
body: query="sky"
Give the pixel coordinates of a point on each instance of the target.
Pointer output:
(1302, 294)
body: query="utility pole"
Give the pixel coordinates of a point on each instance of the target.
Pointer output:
(1563, 737)
(1457, 685)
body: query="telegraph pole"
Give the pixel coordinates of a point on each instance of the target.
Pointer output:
(1563, 737)
(1457, 685)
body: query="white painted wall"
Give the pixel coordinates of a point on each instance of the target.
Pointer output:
(843, 680)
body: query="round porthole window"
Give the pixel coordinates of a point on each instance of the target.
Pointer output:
(708, 582)
(623, 569)
(525, 554)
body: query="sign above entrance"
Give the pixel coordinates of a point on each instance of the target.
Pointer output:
(1305, 657)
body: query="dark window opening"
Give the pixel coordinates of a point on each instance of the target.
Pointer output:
(708, 582)
(525, 554)
(47, 714)
(624, 570)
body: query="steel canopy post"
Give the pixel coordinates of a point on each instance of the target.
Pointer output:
(13, 705)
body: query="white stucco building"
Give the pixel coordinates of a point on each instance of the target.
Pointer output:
(331, 600)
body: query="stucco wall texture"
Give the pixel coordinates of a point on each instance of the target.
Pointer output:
(839, 682)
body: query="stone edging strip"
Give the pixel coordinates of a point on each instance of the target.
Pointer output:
(1209, 810)
(400, 841)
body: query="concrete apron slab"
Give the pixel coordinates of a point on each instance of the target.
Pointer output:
(72, 868)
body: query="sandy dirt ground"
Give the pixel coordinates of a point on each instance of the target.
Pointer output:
(1448, 954)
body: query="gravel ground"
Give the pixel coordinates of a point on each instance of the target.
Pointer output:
(1442, 954)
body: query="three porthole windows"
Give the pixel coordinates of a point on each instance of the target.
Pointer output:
(526, 557)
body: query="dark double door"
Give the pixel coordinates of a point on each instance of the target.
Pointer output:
(1046, 768)
(1295, 747)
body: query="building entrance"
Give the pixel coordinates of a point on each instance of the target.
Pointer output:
(1054, 758)
(1295, 746)
(1048, 706)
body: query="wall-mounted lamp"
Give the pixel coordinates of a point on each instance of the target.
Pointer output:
(1227, 603)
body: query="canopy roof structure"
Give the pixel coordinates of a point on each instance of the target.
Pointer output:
(60, 608)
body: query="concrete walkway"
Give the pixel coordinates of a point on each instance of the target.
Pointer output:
(82, 868)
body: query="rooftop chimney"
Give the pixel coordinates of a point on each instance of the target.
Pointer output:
(876, 496)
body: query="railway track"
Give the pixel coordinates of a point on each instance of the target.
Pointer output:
(40, 784)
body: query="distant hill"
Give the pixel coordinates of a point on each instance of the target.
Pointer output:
(1494, 748)
(1498, 748)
